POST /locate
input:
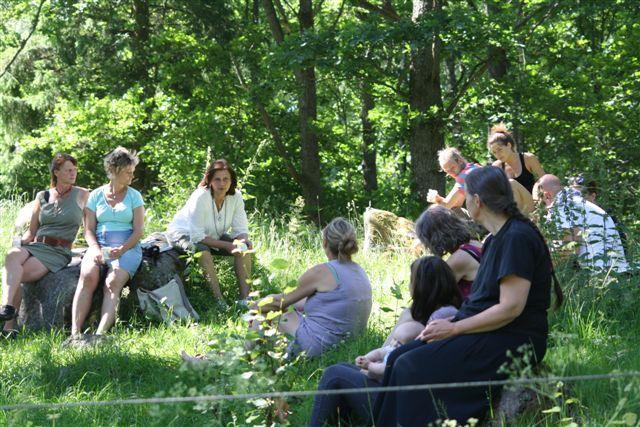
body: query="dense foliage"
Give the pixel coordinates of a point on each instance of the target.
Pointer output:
(335, 101)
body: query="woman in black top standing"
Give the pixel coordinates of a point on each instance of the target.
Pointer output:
(507, 309)
(522, 167)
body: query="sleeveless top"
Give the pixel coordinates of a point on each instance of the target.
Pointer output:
(332, 316)
(60, 219)
(526, 178)
(465, 285)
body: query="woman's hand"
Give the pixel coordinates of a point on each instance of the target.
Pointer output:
(438, 330)
(96, 253)
(116, 252)
(362, 362)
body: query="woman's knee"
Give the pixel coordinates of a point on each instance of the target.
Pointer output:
(89, 277)
(114, 283)
(331, 377)
(15, 256)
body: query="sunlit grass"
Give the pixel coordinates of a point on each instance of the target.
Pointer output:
(596, 331)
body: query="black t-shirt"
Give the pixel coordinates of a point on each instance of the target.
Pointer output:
(517, 250)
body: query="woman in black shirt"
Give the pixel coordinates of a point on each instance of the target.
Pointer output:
(507, 309)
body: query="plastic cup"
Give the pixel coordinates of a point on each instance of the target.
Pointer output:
(16, 242)
(431, 196)
(105, 253)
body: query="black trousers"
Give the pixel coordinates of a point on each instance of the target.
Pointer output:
(357, 408)
(474, 357)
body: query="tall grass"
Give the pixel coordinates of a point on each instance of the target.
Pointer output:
(596, 331)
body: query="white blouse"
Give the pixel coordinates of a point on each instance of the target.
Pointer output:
(200, 217)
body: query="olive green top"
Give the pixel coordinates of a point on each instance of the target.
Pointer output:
(60, 219)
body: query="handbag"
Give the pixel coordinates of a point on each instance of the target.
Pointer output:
(167, 303)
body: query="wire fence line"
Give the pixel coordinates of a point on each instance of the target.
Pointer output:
(313, 393)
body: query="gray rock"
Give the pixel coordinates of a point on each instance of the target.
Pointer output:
(46, 304)
(514, 402)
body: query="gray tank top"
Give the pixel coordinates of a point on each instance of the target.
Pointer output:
(60, 219)
(335, 315)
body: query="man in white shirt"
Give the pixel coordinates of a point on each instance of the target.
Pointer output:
(597, 242)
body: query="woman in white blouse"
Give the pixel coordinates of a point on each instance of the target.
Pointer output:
(214, 222)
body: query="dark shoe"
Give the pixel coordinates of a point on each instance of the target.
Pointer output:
(10, 334)
(8, 312)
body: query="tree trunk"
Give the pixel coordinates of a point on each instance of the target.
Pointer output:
(140, 72)
(369, 169)
(498, 64)
(307, 111)
(427, 127)
(307, 106)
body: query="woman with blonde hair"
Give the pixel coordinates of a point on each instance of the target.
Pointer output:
(114, 222)
(333, 299)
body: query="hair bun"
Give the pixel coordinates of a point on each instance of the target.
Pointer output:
(499, 128)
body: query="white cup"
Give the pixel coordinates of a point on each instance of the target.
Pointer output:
(105, 253)
(242, 247)
(16, 242)
(431, 195)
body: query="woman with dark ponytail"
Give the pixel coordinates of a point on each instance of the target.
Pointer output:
(505, 314)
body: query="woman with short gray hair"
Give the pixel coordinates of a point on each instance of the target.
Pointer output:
(114, 222)
(441, 232)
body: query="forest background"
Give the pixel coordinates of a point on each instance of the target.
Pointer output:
(342, 102)
(324, 107)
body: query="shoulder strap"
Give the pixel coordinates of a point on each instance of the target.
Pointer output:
(333, 271)
(471, 252)
(46, 196)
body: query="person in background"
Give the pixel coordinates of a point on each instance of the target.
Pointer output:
(46, 246)
(525, 168)
(457, 167)
(114, 223)
(214, 222)
(576, 220)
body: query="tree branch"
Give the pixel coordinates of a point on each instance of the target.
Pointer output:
(386, 10)
(23, 43)
(475, 72)
(268, 122)
(274, 22)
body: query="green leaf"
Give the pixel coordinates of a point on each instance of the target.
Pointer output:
(386, 309)
(273, 314)
(553, 410)
(265, 301)
(279, 264)
(630, 418)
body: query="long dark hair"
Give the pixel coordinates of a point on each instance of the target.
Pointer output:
(433, 285)
(492, 186)
(220, 165)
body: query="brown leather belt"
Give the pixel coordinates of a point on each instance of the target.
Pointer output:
(54, 241)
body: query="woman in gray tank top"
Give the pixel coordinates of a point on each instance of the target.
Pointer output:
(332, 300)
(46, 246)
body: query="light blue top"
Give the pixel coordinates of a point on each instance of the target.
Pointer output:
(117, 218)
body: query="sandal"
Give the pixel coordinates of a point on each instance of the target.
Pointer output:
(8, 312)
(9, 334)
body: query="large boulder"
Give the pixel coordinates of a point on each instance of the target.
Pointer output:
(47, 303)
(388, 231)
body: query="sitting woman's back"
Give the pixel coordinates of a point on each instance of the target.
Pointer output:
(334, 315)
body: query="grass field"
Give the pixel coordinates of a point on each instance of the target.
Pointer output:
(596, 331)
